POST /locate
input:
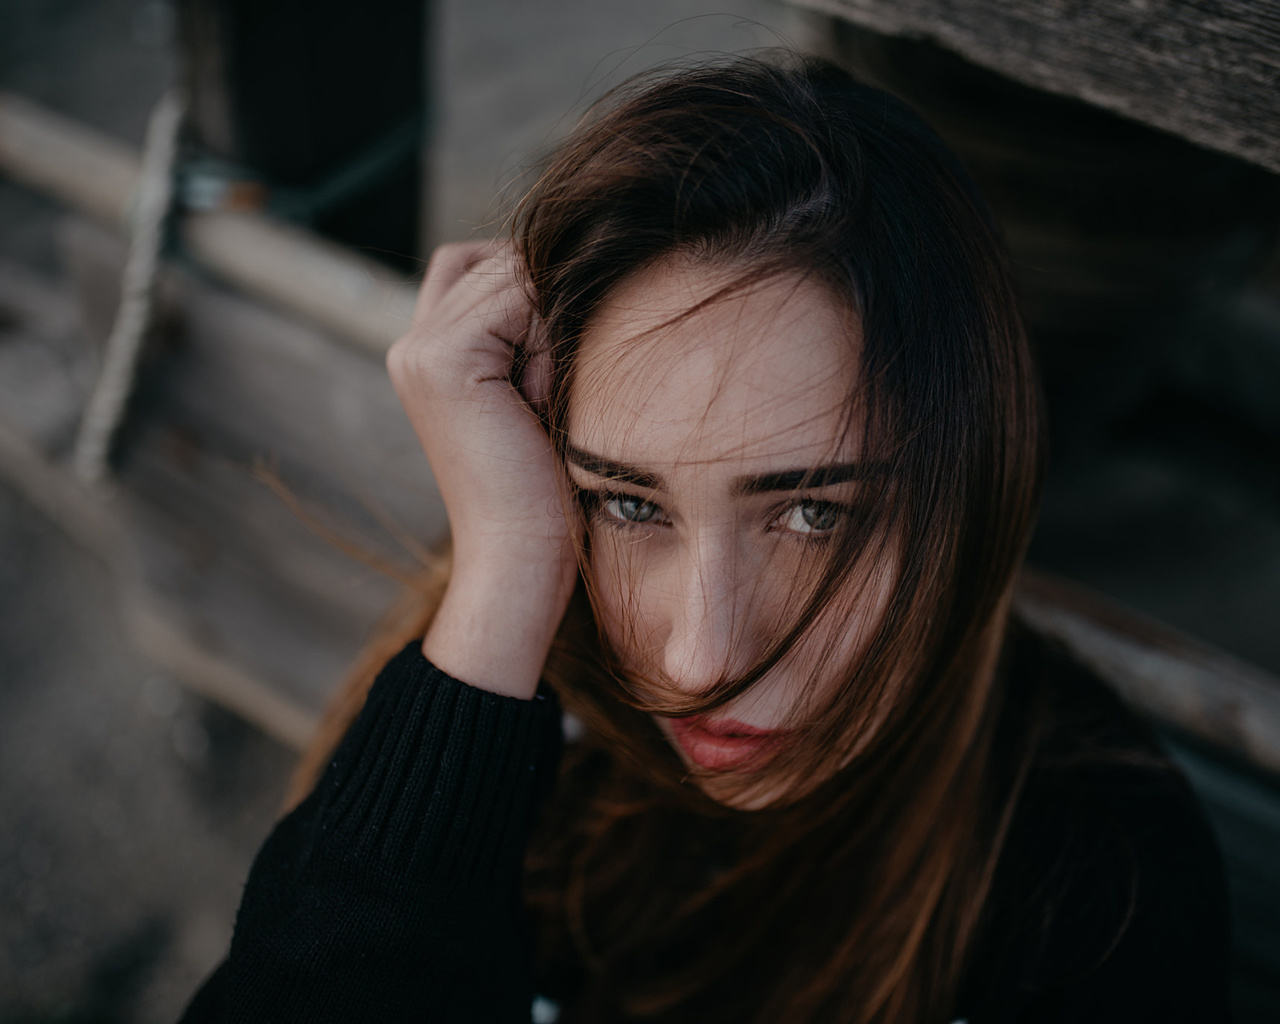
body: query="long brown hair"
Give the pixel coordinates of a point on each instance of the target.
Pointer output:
(860, 899)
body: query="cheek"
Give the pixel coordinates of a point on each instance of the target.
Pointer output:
(844, 629)
(618, 575)
(827, 654)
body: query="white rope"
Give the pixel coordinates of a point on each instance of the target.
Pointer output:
(117, 375)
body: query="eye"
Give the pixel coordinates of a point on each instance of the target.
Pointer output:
(811, 518)
(627, 508)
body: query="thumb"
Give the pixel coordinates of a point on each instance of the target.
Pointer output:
(531, 368)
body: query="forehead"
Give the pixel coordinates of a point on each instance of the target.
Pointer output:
(761, 375)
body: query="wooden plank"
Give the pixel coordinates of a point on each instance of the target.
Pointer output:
(1207, 70)
(92, 521)
(358, 299)
(159, 637)
(256, 384)
(293, 269)
(45, 373)
(233, 387)
(218, 578)
(234, 569)
(83, 168)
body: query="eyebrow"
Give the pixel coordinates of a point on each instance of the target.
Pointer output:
(611, 470)
(796, 479)
(785, 480)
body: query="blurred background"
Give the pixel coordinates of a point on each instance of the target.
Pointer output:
(261, 180)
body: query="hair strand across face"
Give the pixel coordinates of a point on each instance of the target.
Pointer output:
(762, 170)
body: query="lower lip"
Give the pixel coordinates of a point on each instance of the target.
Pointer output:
(722, 748)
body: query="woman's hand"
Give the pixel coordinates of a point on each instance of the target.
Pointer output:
(513, 561)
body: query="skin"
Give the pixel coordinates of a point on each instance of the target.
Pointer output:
(685, 439)
(514, 565)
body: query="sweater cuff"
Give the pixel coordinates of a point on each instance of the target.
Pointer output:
(437, 779)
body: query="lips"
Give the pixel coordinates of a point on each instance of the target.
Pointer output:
(723, 743)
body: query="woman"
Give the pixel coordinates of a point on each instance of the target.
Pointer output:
(739, 440)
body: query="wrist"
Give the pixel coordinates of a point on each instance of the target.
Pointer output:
(496, 623)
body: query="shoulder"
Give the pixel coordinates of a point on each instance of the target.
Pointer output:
(1109, 900)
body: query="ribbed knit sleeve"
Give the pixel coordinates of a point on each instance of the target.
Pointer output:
(393, 892)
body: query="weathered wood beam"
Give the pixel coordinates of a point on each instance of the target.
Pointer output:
(339, 290)
(91, 520)
(259, 453)
(1166, 675)
(160, 638)
(1206, 70)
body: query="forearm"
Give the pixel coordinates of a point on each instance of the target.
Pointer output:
(392, 893)
(498, 618)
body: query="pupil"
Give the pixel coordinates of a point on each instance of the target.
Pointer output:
(637, 511)
(818, 516)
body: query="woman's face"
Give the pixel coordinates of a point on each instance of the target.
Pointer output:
(689, 439)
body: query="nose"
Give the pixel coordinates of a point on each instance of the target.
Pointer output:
(709, 634)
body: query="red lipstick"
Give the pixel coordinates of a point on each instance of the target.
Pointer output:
(722, 743)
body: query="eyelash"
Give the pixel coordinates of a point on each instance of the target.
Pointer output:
(822, 508)
(594, 504)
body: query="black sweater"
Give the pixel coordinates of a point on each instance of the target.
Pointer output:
(393, 892)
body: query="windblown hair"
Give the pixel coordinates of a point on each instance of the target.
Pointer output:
(859, 898)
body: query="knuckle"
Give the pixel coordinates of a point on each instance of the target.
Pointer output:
(423, 363)
(396, 356)
(456, 255)
(451, 252)
(406, 359)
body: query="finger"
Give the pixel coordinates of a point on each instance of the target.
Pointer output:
(491, 280)
(531, 372)
(473, 315)
(448, 265)
(495, 268)
(495, 291)
(493, 249)
(506, 314)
